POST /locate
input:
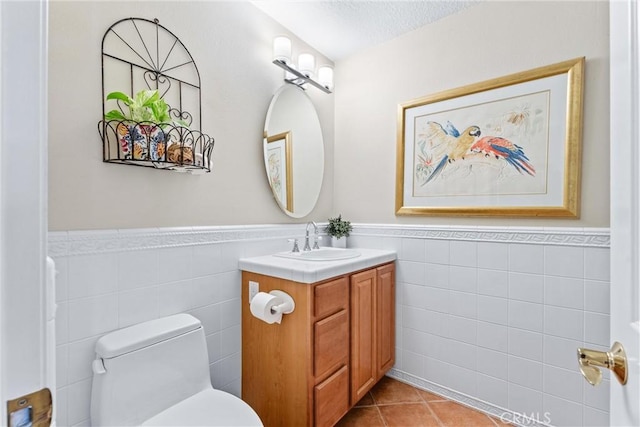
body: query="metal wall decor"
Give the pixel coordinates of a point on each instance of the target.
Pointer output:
(141, 55)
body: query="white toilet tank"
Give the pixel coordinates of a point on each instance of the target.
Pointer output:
(144, 369)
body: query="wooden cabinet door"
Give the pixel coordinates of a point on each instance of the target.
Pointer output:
(363, 333)
(385, 318)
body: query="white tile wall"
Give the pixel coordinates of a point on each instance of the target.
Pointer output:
(535, 303)
(437, 251)
(496, 319)
(493, 282)
(107, 289)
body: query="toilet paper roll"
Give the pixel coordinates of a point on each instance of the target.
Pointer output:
(261, 307)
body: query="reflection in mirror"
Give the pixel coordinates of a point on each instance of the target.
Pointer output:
(293, 151)
(280, 168)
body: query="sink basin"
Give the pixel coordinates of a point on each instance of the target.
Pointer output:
(322, 254)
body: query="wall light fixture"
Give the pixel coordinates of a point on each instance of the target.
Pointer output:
(305, 71)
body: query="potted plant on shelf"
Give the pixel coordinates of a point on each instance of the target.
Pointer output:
(143, 131)
(339, 230)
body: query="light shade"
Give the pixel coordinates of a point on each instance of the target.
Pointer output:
(325, 76)
(306, 64)
(282, 49)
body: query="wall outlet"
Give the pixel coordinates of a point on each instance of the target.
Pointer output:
(254, 288)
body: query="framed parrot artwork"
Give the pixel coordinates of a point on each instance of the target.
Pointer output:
(509, 146)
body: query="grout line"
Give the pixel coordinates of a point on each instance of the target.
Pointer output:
(433, 414)
(384, 421)
(438, 401)
(493, 421)
(399, 403)
(443, 399)
(428, 405)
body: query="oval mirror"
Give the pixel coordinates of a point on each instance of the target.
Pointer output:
(293, 151)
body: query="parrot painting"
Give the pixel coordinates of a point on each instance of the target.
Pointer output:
(501, 148)
(450, 143)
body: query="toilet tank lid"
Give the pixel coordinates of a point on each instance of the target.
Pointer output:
(144, 334)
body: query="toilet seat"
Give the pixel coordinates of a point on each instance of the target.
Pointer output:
(208, 408)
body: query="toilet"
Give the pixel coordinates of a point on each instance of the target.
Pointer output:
(156, 373)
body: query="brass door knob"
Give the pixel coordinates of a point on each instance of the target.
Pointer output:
(591, 361)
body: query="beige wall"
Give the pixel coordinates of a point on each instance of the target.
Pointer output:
(231, 44)
(486, 41)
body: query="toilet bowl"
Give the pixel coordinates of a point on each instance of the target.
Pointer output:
(157, 374)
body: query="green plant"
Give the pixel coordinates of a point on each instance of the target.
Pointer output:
(338, 227)
(146, 106)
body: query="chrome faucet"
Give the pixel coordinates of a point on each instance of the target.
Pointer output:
(315, 237)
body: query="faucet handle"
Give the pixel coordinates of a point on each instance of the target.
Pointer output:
(315, 242)
(295, 245)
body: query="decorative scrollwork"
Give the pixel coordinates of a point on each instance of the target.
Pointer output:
(151, 77)
(185, 116)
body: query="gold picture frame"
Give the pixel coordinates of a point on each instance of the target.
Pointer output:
(509, 146)
(280, 168)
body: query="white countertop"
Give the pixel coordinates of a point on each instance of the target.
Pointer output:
(314, 271)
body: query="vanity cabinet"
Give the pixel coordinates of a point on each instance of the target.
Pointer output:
(315, 365)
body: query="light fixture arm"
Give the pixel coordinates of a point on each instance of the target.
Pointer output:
(300, 79)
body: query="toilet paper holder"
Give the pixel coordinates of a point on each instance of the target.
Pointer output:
(270, 307)
(287, 306)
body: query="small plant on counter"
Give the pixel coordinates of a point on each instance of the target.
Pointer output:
(338, 227)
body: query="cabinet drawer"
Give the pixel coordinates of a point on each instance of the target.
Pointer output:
(332, 398)
(331, 343)
(330, 297)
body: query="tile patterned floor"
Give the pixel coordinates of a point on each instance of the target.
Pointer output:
(392, 403)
